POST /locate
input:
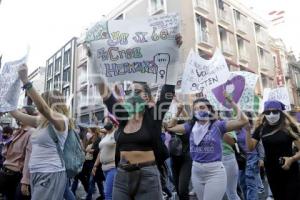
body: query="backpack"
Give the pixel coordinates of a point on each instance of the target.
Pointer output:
(72, 157)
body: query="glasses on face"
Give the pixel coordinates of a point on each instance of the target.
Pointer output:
(136, 91)
(268, 112)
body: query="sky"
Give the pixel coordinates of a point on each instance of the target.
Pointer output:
(289, 31)
(46, 25)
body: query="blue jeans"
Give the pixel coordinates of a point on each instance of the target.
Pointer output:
(249, 177)
(69, 195)
(109, 182)
(92, 187)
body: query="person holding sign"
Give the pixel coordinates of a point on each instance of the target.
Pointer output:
(206, 134)
(139, 147)
(48, 177)
(278, 131)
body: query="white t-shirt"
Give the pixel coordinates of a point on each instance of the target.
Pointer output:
(44, 156)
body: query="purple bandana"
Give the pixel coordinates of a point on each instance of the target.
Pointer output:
(274, 105)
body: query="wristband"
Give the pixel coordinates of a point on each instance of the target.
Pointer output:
(27, 86)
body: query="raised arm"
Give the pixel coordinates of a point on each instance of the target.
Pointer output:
(53, 117)
(251, 142)
(241, 119)
(24, 118)
(178, 129)
(173, 121)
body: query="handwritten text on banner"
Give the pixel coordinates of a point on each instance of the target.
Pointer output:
(137, 50)
(201, 75)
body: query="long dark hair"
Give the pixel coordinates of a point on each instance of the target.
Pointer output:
(286, 123)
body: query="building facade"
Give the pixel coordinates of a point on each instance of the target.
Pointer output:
(37, 77)
(88, 104)
(225, 24)
(60, 69)
(293, 77)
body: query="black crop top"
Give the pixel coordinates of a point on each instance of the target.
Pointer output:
(140, 140)
(152, 122)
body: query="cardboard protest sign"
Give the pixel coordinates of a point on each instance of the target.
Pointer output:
(201, 75)
(241, 87)
(10, 85)
(137, 50)
(280, 94)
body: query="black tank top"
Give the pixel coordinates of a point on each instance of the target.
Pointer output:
(140, 140)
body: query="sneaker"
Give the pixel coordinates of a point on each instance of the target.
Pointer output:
(192, 193)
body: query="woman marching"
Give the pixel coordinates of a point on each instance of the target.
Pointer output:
(278, 132)
(48, 177)
(138, 140)
(206, 134)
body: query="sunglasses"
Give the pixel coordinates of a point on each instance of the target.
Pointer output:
(136, 91)
(268, 112)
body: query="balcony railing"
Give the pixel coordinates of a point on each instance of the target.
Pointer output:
(203, 36)
(156, 7)
(224, 16)
(266, 63)
(227, 48)
(244, 56)
(83, 101)
(202, 5)
(82, 79)
(241, 26)
(262, 37)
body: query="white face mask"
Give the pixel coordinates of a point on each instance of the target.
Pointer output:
(273, 118)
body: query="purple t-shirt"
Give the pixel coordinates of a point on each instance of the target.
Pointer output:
(241, 140)
(210, 148)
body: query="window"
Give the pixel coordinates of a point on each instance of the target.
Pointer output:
(261, 52)
(57, 64)
(49, 85)
(257, 28)
(66, 76)
(84, 119)
(264, 80)
(241, 46)
(57, 82)
(120, 17)
(240, 42)
(67, 57)
(237, 15)
(223, 34)
(66, 92)
(202, 29)
(50, 68)
(220, 4)
(156, 5)
(99, 115)
(297, 78)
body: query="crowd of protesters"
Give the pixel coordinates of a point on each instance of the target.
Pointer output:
(137, 154)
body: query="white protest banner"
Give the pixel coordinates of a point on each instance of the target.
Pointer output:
(137, 50)
(10, 85)
(240, 86)
(200, 74)
(280, 94)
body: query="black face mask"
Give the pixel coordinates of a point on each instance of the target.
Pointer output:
(108, 126)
